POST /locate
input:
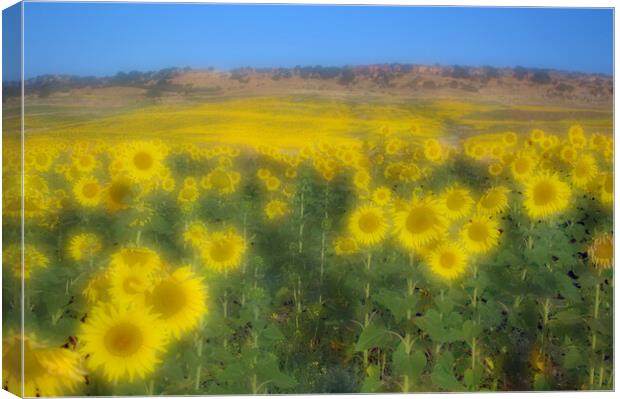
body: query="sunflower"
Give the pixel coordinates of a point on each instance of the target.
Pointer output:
(480, 234)
(361, 179)
(272, 183)
(179, 300)
(537, 135)
(84, 245)
(584, 170)
(143, 160)
(33, 259)
(168, 184)
(545, 195)
(222, 180)
(187, 195)
(223, 250)
(522, 166)
(275, 209)
(509, 138)
(124, 342)
(88, 191)
(420, 221)
(47, 371)
(494, 200)
(448, 261)
(495, 169)
(602, 251)
(381, 196)
(84, 162)
(195, 234)
(367, 225)
(345, 246)
(568, 153)
(263, 173)
(457, 202)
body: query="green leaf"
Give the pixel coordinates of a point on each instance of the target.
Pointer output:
(443, 377)
(471, 330)
(573, 358)
(372, 336)
(567, 288)
(411, 364)
(395, 303)
(271, 334)
(268, 370)
(372, 382)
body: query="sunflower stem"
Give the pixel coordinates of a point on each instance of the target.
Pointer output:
(138, 237)
(301, 222)
(597, 298)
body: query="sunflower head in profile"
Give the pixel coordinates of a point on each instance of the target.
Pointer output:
(138, 257)
(456, 201)
(480, 234)
(545, 196)
(125, 342)
(195, 234)
(84, 246)
(275, 209)
(367, 225)
(143, 160)
(448, 261)
(345, 246)
(88, 191)
(601, 251)
(119, 193)
(97, 287)
(493, 201)
(420, 222)
(48, 371)
(179, 299)
(223, 250)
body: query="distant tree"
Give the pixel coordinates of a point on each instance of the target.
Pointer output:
(346, 77)
(459, 72)
(541, 77)
(519, 72)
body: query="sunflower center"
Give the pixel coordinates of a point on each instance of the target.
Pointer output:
(132, 284)
(123, 339)
(168, 298)
(143, 160)
(419, 220)
(477, 232)
(582, 170)
(222, 251)
(522, 166)
(544, 193)
(448, 260)
(90, 190)
(454, 201)
(133, 257)
(369, 222)
(604, 250)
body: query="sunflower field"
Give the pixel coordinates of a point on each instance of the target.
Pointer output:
(395, 263)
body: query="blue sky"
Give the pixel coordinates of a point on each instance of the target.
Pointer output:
(102, 39)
